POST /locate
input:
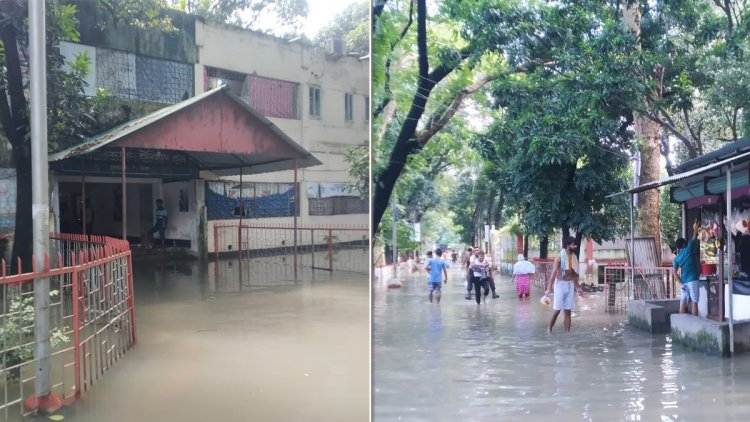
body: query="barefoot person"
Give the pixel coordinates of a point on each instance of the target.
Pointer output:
(469, 255)
(522, 271)
(438, 269)
(566, 284)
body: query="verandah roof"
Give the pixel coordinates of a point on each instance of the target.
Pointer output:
(217, 129)
(737, 159)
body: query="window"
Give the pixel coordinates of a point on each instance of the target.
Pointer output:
(272, 97)
(348, 107)
(367, 109)
(215, 78)
(314, 102)
(269, 97)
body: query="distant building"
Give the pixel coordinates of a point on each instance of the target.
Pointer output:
(318, 98)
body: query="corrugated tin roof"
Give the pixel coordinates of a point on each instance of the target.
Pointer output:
(738, 146)
(742, 157)
(221, 163)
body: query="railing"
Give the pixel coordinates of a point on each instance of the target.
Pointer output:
(269, 255)
(92, 318)
(543, 271)
(650, 283)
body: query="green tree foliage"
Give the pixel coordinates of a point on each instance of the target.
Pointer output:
(358, 159)
(670, 216)
(350, 25)
(260, 15)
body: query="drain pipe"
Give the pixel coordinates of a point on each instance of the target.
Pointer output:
(730, 256)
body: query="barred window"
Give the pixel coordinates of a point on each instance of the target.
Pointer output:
(144, 78)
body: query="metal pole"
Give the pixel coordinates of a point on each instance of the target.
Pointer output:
(296, 198)
(395, 245)
(239, 231)
(40, 196)
(632, 249)
(83, 196)
(730, 256)
(124, 196)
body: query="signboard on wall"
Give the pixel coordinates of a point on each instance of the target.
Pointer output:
(329, 189)
(140, 162)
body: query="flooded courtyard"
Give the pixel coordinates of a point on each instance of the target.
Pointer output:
(212, 348)
(461, 361)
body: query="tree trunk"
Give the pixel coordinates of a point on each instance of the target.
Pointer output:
(526, 246)
(544, 246)
(24, 230)
(647, 131)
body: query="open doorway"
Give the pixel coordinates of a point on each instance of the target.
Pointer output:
(102, 212)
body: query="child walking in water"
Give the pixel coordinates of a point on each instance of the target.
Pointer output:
(522, 272)
(437, 268)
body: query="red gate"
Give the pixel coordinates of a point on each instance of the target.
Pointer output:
(92, 318)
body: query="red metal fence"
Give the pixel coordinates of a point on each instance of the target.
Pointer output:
(270, 255)
(92, 318)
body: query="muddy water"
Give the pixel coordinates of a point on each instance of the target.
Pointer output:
(463, 361)
(209, 349)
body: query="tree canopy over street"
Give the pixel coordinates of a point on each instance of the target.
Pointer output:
(539, 109)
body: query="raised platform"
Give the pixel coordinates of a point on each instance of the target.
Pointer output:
(652, 315)
(710, 336)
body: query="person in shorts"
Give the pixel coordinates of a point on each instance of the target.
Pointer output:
(686, 264)
(438, 270)
(566, 284)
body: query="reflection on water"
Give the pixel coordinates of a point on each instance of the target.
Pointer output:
(209, 350)
(462, 361)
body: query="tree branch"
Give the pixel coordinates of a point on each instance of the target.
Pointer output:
(440, 122)
(693, 135)
(670, 127)
(14, 85)
(387, 86)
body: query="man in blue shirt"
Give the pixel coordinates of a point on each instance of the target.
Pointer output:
(686, 262)
(437, 268)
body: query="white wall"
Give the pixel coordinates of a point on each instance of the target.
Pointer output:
(182, 225)
(230, 48)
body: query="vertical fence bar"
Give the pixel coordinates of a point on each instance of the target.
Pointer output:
(131, 295)
(216, 243)
(76, 332)
(330, 250)
(124, 196)
(312, 250)
(296, 206)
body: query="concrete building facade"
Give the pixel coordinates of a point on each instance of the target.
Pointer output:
(318, 98)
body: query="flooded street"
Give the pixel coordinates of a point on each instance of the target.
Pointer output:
(208, 351)
(463, 361)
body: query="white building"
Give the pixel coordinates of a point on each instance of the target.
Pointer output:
(319, 98)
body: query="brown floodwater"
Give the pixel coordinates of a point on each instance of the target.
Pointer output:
(459, 361)
(211, 348)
